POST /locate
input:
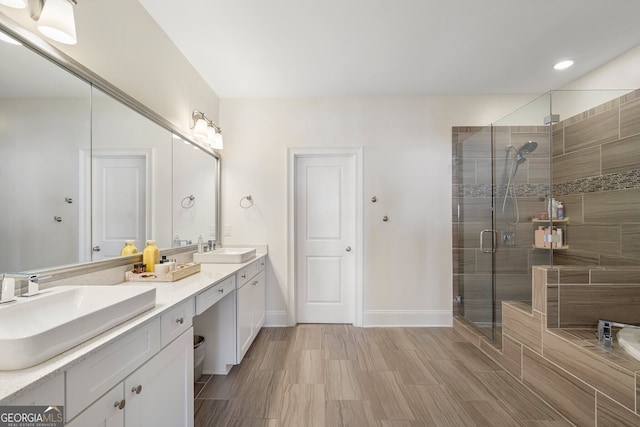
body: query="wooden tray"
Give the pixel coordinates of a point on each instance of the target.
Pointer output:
(181, 271)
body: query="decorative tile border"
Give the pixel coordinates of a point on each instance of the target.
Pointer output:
(609, 182)
(489, 190)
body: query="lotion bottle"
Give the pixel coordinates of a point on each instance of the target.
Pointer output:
(129, 248)
(150, 256)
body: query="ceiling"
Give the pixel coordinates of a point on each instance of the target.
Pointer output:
(307, 48)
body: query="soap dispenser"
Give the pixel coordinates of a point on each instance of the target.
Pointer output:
(129, 248)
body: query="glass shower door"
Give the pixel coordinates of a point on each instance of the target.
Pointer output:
(475, 239)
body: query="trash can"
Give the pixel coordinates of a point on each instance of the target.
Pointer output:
(198, 356)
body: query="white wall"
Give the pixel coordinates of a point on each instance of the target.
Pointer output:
(119, 41)
(407, 152)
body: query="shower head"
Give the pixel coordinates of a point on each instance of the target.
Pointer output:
(526, 148)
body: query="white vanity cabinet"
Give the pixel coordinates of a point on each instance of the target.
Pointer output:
(251, 308)
(159, 393)
(143, 379)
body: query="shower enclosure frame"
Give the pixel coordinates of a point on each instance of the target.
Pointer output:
(583, 123)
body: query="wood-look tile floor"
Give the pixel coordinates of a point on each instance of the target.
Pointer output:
(338, 375)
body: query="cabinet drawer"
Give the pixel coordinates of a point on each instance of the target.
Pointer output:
(175, 321)
(97, 374)
(260, 264)
(208, 297)
(246, 273)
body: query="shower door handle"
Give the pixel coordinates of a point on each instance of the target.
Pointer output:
(494, 238)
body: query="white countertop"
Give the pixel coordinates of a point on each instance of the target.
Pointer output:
(15, 383)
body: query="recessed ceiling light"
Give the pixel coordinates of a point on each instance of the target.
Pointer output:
(563, 65)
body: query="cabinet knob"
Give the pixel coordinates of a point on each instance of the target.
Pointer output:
(220, 291)
(120, 404)
(244, 275)
(180, 320)
(137, 389)
(255, 283)
(348, 249)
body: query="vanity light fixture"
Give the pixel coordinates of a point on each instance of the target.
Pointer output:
(16, 4)
(205, 131)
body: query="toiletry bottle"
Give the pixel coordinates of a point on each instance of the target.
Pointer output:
(200, 244)
(554, 209)
(129, 248)
(560, 237)
(560, 210)
(150, 255)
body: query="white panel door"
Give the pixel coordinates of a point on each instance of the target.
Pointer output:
(325, 215)
(119, 204)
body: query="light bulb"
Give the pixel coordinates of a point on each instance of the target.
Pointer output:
(57, 21)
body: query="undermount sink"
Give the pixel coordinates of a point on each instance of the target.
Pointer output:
(226, 256)
(37, 328)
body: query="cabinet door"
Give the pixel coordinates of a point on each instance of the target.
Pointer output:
(160, 393)
(259, 301)
(245, 319)
(108, 411)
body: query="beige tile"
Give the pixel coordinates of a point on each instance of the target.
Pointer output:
(599, 238)
(467, 331)
(261, 397)
(306, 367)
(630, 240)
(594, 130)
(509, 357)
(610, 413)
(596, 371)
(303, 404)
(209, 412)
(573, 275)
(571, 397)
(522, 326)
(579, 164)
(385, 394)
(462, 382)
(408, 366)
(583, 306)
(612, 206)
(616, 275)
(572, 207)
(558, 141)
(349, 413)
(553, 315)
(622, 155)
(629, 113)
(343, 380)
(619, 260)
(576, 257)
(518, 400)
(434, 405)
(489, 413)
(539, 283)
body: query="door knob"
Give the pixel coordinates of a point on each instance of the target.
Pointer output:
(348, 249)
(96, 249)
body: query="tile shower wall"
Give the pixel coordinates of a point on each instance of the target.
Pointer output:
(596, 173)
(473, 191)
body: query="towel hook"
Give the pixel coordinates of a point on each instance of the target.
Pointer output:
(247, 204)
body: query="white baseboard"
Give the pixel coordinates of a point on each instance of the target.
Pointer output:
(276, 319)
(407, 318)
(382, 318)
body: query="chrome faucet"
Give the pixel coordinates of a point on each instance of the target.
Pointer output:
(8, 285)
(605, 333)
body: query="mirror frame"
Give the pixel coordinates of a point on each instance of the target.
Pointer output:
(41, 47)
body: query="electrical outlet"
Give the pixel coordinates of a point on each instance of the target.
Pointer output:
(227, 230)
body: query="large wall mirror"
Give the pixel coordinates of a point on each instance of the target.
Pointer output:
(81, 172)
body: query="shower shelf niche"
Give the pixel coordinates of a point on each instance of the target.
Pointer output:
(555, 222)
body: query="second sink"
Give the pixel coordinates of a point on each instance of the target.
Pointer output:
(226, 256)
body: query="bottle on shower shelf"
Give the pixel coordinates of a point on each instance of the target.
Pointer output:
(560, 210)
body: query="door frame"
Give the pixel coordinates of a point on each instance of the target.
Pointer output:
(293, 153)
